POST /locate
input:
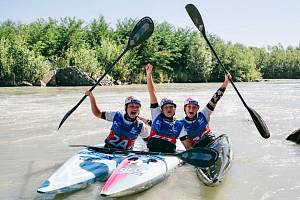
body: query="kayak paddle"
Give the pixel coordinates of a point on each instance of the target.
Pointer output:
(258, 121)
(140, 33)
(200, 157)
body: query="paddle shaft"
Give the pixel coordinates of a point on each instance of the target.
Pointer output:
(197, 20)
(117, 151)
(100, 79)
(258, 121)
(109, 69)
(200, 157)
(225, 70)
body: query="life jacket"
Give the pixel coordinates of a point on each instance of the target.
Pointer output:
(196, 129)
(123, 135)
(162, 129)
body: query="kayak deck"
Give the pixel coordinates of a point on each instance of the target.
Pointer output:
(82, 169)
(137, 173)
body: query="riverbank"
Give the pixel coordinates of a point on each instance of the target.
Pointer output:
(69, 76)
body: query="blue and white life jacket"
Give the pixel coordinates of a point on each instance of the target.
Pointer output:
(166, 130)
(197, 128)
(123, 135)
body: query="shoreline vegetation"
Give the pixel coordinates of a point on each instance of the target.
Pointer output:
(37, 53)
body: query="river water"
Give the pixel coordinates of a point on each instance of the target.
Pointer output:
(32, 148)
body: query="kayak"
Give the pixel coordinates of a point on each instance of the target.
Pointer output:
(213, 175)
(82, 169)
(137, 173)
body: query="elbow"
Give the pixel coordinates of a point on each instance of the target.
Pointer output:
(97, 114)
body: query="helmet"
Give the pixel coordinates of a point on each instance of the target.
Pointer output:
(133, 99)
(165, 101)
(191, 101)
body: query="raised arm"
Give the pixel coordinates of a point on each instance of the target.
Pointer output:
(95, 109)
(150, 84)
(219, 93)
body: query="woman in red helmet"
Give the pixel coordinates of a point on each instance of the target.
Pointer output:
(165, 129)
(126, 126)
(196, 124)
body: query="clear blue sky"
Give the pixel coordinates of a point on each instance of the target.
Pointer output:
(250, 22)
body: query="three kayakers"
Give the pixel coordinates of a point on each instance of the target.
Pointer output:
(196, 124)
(165, 129)
(126, 127)
(193, 130)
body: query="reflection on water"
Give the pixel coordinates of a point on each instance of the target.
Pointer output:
(32, 148)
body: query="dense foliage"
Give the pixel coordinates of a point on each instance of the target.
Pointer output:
(28, 51)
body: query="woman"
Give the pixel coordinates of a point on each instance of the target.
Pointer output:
(126, 127)
(165, 129)
(196, 124)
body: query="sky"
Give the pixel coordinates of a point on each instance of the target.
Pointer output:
(256, 23)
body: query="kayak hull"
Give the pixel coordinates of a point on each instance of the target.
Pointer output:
(137, 173)
(80, 170)
(214, 175)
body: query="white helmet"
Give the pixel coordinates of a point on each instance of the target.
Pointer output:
(191, 101)
(133, 99)
(165, 101)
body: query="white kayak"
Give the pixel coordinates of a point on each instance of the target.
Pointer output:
(83, 168)
(213, 175)
(137, 173)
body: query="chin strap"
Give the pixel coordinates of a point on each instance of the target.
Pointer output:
(129, 118)
(169, 119)
(190, 119)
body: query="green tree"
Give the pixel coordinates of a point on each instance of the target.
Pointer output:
(199, 65)
(27, 65)
(6, 59)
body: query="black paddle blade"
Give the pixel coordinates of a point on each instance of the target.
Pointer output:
(196, 17)
(70, 112)
(294, 136)
(200, 157)
(141, 32)
(259, 123)
(66, 117)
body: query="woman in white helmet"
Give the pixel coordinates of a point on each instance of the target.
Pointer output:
(165, 129)
(126, 126)
(196, 124)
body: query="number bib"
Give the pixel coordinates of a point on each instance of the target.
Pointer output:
(119, 141)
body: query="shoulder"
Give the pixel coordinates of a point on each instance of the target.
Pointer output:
(205, 111)
(155, 112)
(110, 115)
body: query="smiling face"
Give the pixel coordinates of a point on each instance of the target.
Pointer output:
(133, 110)
(191, 110)
(169, 110)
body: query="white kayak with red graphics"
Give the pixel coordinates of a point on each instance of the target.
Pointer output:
(137, 173)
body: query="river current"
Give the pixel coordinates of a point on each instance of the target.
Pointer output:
(32, 148)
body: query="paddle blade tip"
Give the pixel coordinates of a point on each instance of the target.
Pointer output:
(266, 136)
(294, 136)
(259, 123)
